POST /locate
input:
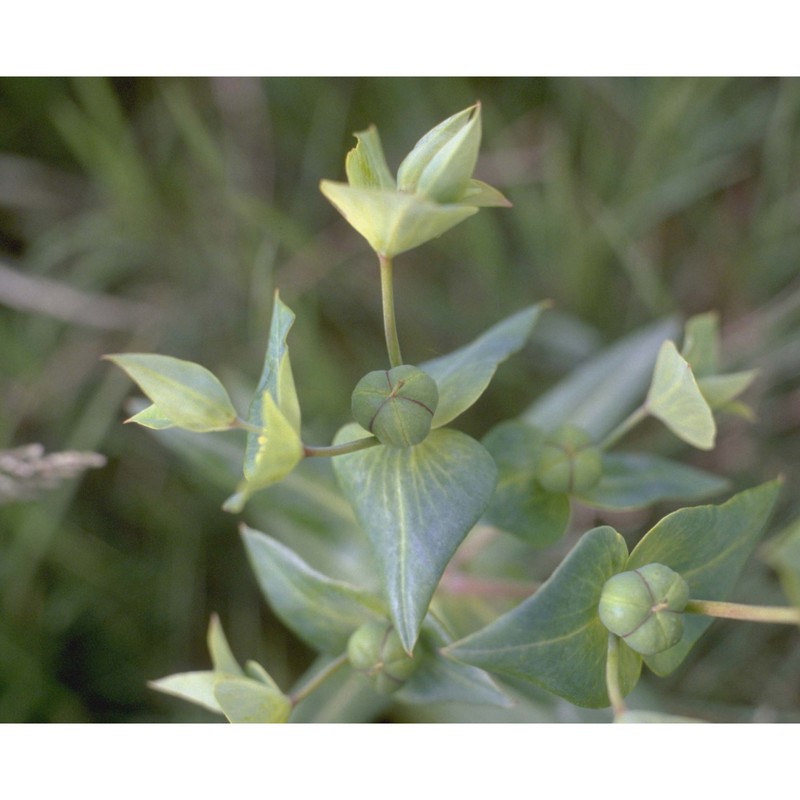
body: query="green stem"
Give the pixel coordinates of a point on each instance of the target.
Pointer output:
(631, 421)
(340, 449)
(246, 426)
(318, 679)
(612, 677)
(714, 608)
(389, 322)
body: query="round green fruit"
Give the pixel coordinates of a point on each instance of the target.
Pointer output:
(375, 650)
(644, 607)
(396, 405)
(569, 461)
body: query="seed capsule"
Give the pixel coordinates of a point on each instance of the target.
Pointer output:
(397, 405)
(569, 461)
(644, 607)
(375, 650)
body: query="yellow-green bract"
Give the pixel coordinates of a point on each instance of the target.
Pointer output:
(434, 190)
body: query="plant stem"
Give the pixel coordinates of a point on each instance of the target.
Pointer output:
(714, 608)
(339, 449)
(631, 421)
(612, 676)
(246, 426)
(389, 322)
(318, 679)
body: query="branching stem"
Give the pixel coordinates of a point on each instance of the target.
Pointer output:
(630, 422)
(339, 449)
(318, 679)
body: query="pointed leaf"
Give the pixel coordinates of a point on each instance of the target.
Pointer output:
(447, 174)
(463, 375)
(701, 343)
(637, 480)
(482, 195)
(196, 687)
(393, 222)
(366, 165)
(416, 504)
(321, 611)
(555, 639)
(276, 378)
(720, 390)
(520, 505)
(255, 671)
(601, 392)
(708, 546)
(245, 700)
(676, 400)
(186, 394)
(426, 149)
(222, 658)
(151, 417)
(279, 452)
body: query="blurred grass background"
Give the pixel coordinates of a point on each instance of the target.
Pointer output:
(161, 214)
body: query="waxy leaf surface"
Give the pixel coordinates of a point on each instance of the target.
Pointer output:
(555, 638)
(637, 480)
(601, 392)
(675, 398)
(463, 375)
(708, 547)
(322, 611)
(246, 700)
(416, 505)
(184, 394)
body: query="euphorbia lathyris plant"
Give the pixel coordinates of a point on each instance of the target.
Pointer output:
(418, 487)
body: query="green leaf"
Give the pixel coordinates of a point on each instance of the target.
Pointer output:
(720, 390)
(701, 343)
(708, 547)
(416, 505)
(321, 611)
(366, 165)
(441, 680)
(222, 658)
(481, 194)
(519, 505)
(430, 146)
(279, 452)
(555, 638)
(245, 700)
(783, 555)
(599, 394)
(676, 400)
(151, 417)
(463, 375)
(183, 393)
(637, 480)
(276, 378)
(196, 687)
(447, 174)
(393, 222)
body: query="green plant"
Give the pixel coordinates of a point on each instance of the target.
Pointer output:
(418, 488)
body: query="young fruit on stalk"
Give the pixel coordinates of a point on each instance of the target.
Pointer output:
(569, 461)
(396, 405)
(375, 649)
(644, 607)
